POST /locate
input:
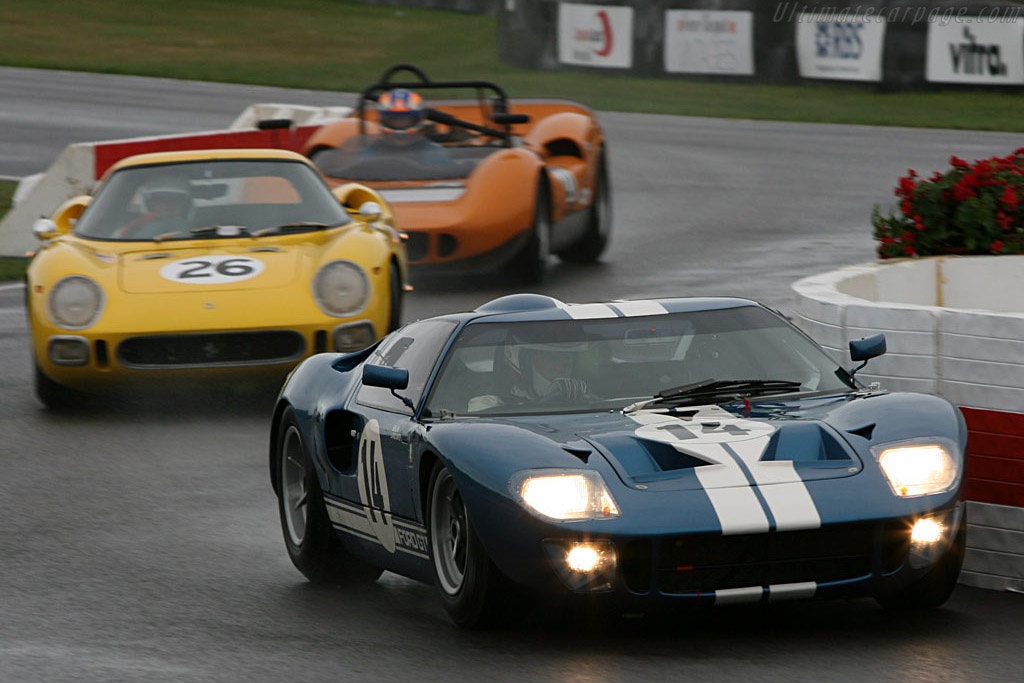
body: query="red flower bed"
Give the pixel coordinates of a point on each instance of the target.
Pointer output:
(970, 209)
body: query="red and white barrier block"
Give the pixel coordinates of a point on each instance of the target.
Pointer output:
(80, 165)
(953, 326)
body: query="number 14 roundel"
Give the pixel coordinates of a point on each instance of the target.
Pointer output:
(373, 486)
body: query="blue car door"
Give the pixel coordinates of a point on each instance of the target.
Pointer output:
(382, 487)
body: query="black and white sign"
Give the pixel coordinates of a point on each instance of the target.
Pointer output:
(840, 47)
(976, 51)
(709, 42)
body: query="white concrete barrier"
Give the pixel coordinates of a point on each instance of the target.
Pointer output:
(79, 166)
(954, 326)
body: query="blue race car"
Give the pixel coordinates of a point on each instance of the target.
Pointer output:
(642, 453)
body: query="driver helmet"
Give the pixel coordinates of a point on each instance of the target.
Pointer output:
(168, 195)
(400, 110)
(537, 364)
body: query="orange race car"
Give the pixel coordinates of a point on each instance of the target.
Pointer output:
(476, 183)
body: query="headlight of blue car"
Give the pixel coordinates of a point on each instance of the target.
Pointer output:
(565, 495)
(919, 467)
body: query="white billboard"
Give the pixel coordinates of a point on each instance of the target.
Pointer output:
(595, 35)
(709, 42)
(971, 50)
(840, 47)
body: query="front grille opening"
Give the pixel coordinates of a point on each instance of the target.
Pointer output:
(206, 350)
(446, 244)
(101, 354)
(704, 563)
(320, 341)
(418, 245)
(636, 565)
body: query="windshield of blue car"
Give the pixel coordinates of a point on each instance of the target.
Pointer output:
(610, 363)
(210, 199)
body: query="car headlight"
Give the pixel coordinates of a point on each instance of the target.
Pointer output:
(918, 468)
(75, 302)
(565, 495)
(341, 288)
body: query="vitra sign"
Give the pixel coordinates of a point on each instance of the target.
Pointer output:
(984, 53)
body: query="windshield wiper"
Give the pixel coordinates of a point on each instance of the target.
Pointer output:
(296, 226)
(708, 388)
(221, 230)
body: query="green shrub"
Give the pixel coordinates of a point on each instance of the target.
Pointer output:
(970, 209)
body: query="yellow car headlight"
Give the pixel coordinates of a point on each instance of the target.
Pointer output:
(341, 288)
(565, 495)
(919, 468)
(75, 302)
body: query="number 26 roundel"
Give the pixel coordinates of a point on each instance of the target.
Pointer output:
(373, 486)
(212, 270)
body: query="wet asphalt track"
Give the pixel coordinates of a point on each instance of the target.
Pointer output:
(141, 543)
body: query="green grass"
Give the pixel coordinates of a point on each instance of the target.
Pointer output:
(336, 45)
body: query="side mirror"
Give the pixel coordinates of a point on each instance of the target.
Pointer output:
(63, 218)
(369, 212)
(384, 377)
(865, 349)
(44, 229)
(362, 203)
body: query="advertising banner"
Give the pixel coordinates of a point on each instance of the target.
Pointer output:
(840, 47)
(972, 50)
(709, 42)
(595, 35)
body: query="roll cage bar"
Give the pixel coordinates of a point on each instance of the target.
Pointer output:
(498, 112)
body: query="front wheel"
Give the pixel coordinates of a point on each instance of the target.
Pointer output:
(594, 241)
(472, 589)
(53, 395)
(530, 264)
(312, 543)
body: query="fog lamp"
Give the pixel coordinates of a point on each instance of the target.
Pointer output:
(926, 531)
(353, 337)
(932, 536)
(69, 351)
(584, 566)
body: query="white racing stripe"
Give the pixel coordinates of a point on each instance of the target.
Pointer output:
(635, 308)
(736, 596)
(783, 490)
(736, 505)
(792, 591)
(588, 311)
(725, 443)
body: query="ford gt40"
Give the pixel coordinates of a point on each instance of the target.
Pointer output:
(486, 182)
(641, 454)
(226, 264)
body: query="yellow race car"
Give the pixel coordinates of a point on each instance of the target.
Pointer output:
(222, 265)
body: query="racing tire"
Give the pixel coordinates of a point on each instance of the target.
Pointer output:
(397, 298)
(590, 247)
(530, 264)
(313, 545)
(472, 589)
(52, 395)
(934, 588)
